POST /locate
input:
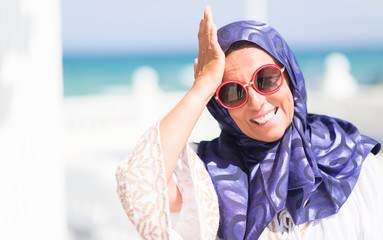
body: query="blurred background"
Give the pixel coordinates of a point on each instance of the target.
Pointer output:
(80, 81)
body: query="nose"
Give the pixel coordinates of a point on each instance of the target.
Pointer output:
(255, 100)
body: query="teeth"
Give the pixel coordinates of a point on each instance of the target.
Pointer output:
(264, 119)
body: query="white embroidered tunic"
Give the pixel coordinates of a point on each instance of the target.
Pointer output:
(142, 187)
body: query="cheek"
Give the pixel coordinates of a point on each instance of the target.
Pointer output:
(288, 98)
(235, 114)
(284, 99)
(239, 117)
(291, 107)
(288, 105)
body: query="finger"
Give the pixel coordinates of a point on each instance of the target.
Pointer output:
(195, 68)
(204, 33)
(213, 33)
(208, 19)
(208, 14)
(214, 39)
(202, 29)
(202, 41)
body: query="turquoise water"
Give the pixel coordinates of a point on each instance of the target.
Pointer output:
(85, 75)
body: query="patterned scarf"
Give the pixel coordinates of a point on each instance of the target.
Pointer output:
(310, 171)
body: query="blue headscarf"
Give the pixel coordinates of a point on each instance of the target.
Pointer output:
(310, 171)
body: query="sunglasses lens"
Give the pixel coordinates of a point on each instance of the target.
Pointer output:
(232, 94)
(268, 79)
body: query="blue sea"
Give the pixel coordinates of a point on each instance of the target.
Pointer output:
(85, 75)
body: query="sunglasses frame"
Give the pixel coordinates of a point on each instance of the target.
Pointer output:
(252, 82)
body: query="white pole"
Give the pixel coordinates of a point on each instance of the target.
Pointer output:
(32, 199)
(256, 10)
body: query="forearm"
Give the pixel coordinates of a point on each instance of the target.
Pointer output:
(177, 125)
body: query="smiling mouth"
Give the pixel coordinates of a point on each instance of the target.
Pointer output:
(266, 118)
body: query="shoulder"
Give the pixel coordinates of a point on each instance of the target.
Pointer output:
(370, 181)
(194, 146)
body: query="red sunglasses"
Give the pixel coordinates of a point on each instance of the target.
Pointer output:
(266, 80)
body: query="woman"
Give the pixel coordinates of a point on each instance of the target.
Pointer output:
(274, 172)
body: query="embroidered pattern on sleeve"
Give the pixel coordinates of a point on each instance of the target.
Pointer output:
(205, 196)
(142, 188)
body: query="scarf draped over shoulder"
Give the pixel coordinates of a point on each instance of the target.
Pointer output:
(310, 171)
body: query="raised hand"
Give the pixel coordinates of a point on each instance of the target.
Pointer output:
(209, 67)
(176, 126)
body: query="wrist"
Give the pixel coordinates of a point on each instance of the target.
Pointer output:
(202, 91)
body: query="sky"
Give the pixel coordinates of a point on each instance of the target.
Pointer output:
(123, 26)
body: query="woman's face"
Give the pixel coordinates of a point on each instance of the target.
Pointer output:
(263, 117)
